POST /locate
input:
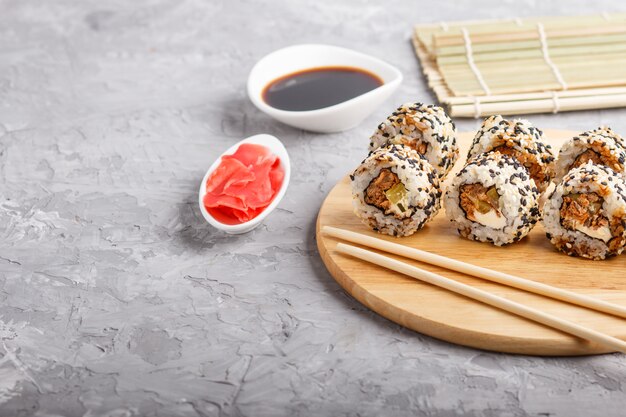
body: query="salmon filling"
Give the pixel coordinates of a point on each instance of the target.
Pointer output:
(482, 205)
(535, 170)
(386, 191)
(588, 155)
(583, 212)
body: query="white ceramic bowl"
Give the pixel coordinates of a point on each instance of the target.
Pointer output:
(342, 116)
(274, 145)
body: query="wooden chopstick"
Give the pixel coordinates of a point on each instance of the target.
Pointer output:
(477, 271)
(485, 297)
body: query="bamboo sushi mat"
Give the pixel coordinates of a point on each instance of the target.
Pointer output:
(532, 65)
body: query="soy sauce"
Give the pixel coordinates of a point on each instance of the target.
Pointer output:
(317, 88)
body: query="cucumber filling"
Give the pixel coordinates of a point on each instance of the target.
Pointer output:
(387, 193)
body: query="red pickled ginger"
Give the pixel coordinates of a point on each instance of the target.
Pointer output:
(243, 184)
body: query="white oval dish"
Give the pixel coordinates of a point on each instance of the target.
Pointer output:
(342, 116)
(278, 149)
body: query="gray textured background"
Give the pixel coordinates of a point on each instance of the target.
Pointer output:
(116, 299)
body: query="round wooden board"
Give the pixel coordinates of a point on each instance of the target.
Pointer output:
(447, 316)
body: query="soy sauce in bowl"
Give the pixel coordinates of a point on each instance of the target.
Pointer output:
(316, 88)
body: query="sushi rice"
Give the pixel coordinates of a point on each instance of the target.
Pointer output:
(606, 235)
(418, 198)
(425, 128)
(519, 139)
(600, 149)
(606, 131)
(509, 215)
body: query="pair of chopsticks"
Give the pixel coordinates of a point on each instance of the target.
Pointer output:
(477, 294)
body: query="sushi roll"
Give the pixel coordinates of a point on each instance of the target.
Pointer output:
(493, 199)
(427, 129)
(608, 132)
(586, 214)
(395, 191)
(519, 139)
(590, 146)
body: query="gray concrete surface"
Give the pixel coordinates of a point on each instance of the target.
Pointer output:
(116, 299)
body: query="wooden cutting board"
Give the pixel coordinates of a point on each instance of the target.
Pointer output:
(447, 316)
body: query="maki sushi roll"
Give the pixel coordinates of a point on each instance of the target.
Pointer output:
(395, 191)
(493, 199)
(427, 129)
(519, 139)
(586, 214)
(590, 146)
(609, 133)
